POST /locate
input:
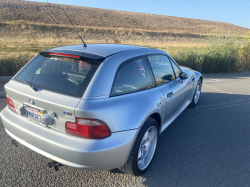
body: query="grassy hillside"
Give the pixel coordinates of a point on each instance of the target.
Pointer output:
(15, 10)
(207, 46)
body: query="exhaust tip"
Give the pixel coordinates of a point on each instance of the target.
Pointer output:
(57, 166)
(14, 142)
(52, 163)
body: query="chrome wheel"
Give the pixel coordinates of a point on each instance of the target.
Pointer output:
(147, 148)
(197, 93)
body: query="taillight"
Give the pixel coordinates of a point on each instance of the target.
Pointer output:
(88, 128)
(10, 103)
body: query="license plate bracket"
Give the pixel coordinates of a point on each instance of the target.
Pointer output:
(32, 114)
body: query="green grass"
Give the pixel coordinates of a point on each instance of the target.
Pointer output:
(216, 57)
(216, 62)
(221, 56)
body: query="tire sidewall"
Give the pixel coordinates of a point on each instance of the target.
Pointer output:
(193, 104)
(150, 122)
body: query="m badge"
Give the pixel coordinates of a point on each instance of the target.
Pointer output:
(67, 113)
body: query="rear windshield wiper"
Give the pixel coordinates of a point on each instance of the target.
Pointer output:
(33, 87)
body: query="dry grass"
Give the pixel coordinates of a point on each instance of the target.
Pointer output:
(32, 38)
(12, 46)
(29, 27)
(16, 10)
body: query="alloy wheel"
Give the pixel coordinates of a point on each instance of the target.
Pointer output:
(147, 148)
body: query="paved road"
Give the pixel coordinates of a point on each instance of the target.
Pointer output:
(205, 146)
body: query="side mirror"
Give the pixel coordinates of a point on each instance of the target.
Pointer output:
(183, 76)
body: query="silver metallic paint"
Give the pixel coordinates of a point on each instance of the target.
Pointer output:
(50, 101)
(123, 112)
(124, 115)
(70, 150)
(101, 83)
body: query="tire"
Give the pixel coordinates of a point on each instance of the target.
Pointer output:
(197, 93)
(143, 150)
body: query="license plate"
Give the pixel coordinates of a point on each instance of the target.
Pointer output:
(33, 114)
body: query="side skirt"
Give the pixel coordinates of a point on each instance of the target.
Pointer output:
(175, 115)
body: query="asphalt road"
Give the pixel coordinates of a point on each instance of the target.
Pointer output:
(205, 146)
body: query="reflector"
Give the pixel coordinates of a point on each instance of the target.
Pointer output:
(10, 103)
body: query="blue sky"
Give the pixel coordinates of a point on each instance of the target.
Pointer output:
(235, 12)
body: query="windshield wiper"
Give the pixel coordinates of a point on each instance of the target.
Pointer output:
(33, 87)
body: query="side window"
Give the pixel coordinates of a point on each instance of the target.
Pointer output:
(133, 75)
(162, 68)
(176, 69)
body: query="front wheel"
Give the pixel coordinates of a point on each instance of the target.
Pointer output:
(143, 150)
(197, 94)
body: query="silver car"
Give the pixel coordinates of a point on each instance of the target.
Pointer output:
(98, 107)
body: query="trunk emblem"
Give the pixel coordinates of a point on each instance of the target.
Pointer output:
(32, 102)
(67, 113)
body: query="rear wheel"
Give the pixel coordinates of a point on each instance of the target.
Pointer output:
(197, 94)
(143, 150)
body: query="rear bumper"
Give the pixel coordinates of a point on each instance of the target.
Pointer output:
(87, 154)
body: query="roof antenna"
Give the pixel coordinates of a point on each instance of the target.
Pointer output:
(84, 44)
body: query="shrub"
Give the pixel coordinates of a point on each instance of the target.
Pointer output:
(215, 62)
(10, 66)
(219, 57)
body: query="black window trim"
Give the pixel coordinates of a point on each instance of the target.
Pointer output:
(173, 61)
(127, 61)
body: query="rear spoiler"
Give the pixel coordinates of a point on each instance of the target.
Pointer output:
(72, 54)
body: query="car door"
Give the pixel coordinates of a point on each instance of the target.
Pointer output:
(175, 90)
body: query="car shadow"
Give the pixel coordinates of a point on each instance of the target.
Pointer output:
(208, 145)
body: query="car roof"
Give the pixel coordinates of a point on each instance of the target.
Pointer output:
(96, 51)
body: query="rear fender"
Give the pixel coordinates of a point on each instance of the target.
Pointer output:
(124, 112)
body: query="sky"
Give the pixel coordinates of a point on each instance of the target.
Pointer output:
(230, 11)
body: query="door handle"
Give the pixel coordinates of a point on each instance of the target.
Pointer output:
(170, 95)
(161, 101)
(193, 79)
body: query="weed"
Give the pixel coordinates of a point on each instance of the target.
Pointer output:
(10, 66)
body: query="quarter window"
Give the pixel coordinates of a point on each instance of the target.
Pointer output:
(133, 75)
(162, 68)
(176, 69)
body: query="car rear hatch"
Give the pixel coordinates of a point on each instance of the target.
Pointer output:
(48, 89)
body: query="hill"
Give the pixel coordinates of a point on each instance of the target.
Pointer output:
(207, 46)
(43, 13)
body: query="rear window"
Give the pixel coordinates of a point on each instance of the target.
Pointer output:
(59, 74)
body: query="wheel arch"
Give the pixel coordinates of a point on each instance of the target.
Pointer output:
(157, 118)
(201, 77)
(198, 76)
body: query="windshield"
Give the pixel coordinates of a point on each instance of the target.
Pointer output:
(59, 74)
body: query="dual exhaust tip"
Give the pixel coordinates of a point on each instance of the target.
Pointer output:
(14, 142)
(51, 164)
(55, 164)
